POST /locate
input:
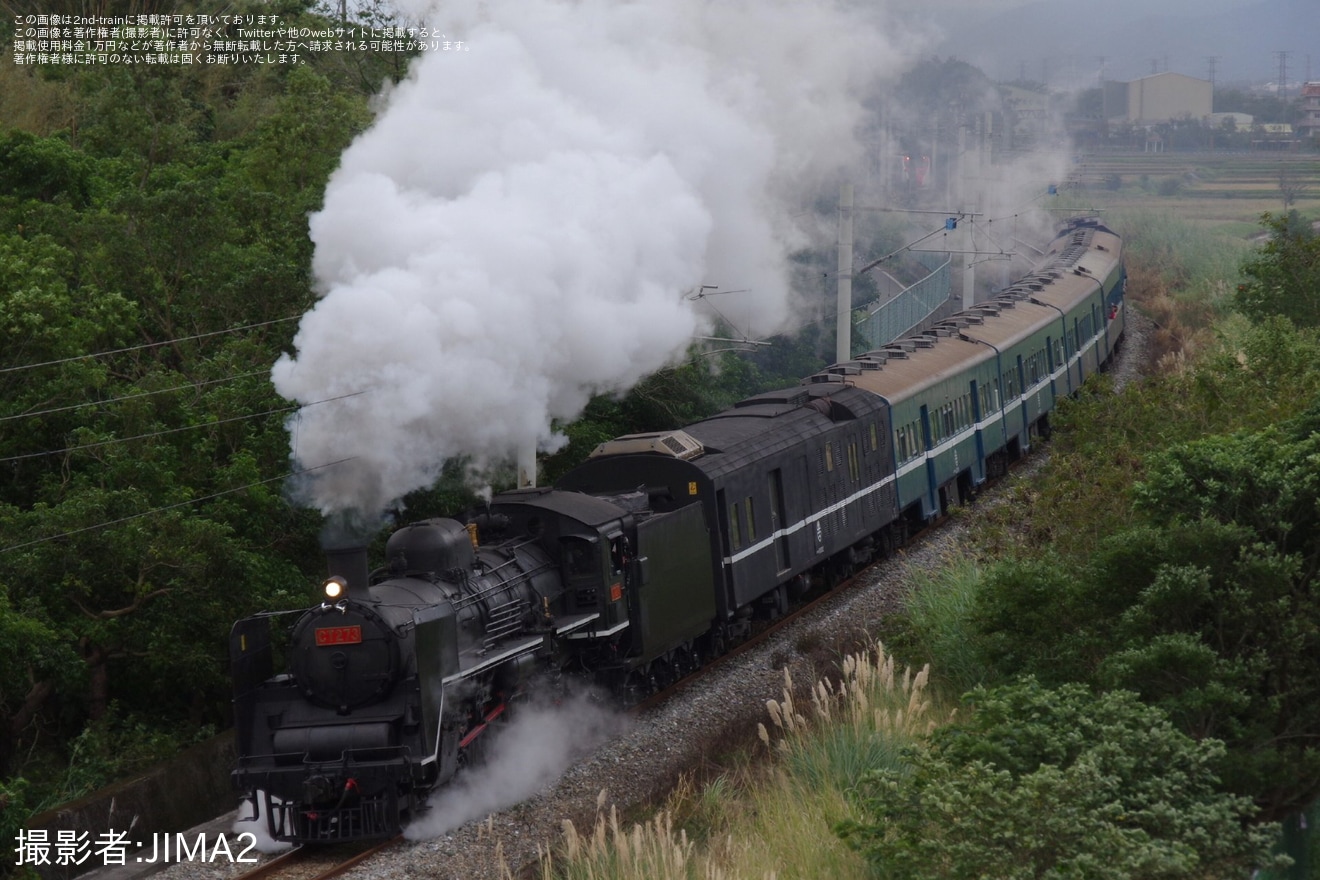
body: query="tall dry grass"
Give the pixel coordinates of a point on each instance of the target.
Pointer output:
(1180, 274)
(774, 816)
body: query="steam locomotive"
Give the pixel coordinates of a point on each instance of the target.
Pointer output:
(652, 556)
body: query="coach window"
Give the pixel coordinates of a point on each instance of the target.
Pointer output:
(853, 470)
(751, 522)
(875, 438)
(829, 456)
(735, 533)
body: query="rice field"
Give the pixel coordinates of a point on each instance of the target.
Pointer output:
(1226, 193)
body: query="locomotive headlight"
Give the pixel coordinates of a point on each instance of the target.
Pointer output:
(335, 587)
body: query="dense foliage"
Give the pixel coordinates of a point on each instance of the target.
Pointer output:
(1042, 783)
(1186, 569)
(1283, 277)
(1208, 608)
(157, 216)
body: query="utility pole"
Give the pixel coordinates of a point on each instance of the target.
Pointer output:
(843, 320)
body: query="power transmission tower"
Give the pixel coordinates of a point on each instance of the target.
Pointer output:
(1212, 60)
(1283, 73)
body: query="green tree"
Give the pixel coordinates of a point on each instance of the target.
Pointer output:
(1042, 783)
(1210, 608)
(144, 513)
(45, 169)
(1283, 276)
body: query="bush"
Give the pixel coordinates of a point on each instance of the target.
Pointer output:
(1170, 186)
(1058, 783)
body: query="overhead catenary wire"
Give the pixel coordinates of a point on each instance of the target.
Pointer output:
(84, 357)
(168, 431)
(153, 511)
(108, 401)
(871, 265)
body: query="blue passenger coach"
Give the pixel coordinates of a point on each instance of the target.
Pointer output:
(972, 392)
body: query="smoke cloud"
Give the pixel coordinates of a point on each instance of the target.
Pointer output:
(540, 743)
(521, 226)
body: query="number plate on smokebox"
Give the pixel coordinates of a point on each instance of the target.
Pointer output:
(339, 635)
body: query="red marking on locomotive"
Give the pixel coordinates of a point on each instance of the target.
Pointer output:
(474, 732)
(339, 635)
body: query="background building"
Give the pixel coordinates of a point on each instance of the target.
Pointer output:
(1308, 125)
(1161, 97)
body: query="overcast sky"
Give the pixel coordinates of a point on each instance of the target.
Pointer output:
(1169, 6)
(1064, 41)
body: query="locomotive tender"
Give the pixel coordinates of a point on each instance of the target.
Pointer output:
(653, 555)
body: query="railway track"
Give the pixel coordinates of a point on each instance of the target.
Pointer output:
(317, 862)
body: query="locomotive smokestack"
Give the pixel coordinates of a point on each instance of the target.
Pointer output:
(349, 563)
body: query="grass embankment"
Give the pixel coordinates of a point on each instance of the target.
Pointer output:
(771, 813)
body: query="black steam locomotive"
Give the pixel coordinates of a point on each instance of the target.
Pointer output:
(652, 556)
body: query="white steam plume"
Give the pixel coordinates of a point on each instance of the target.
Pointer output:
(541, 742)
(518, 228)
